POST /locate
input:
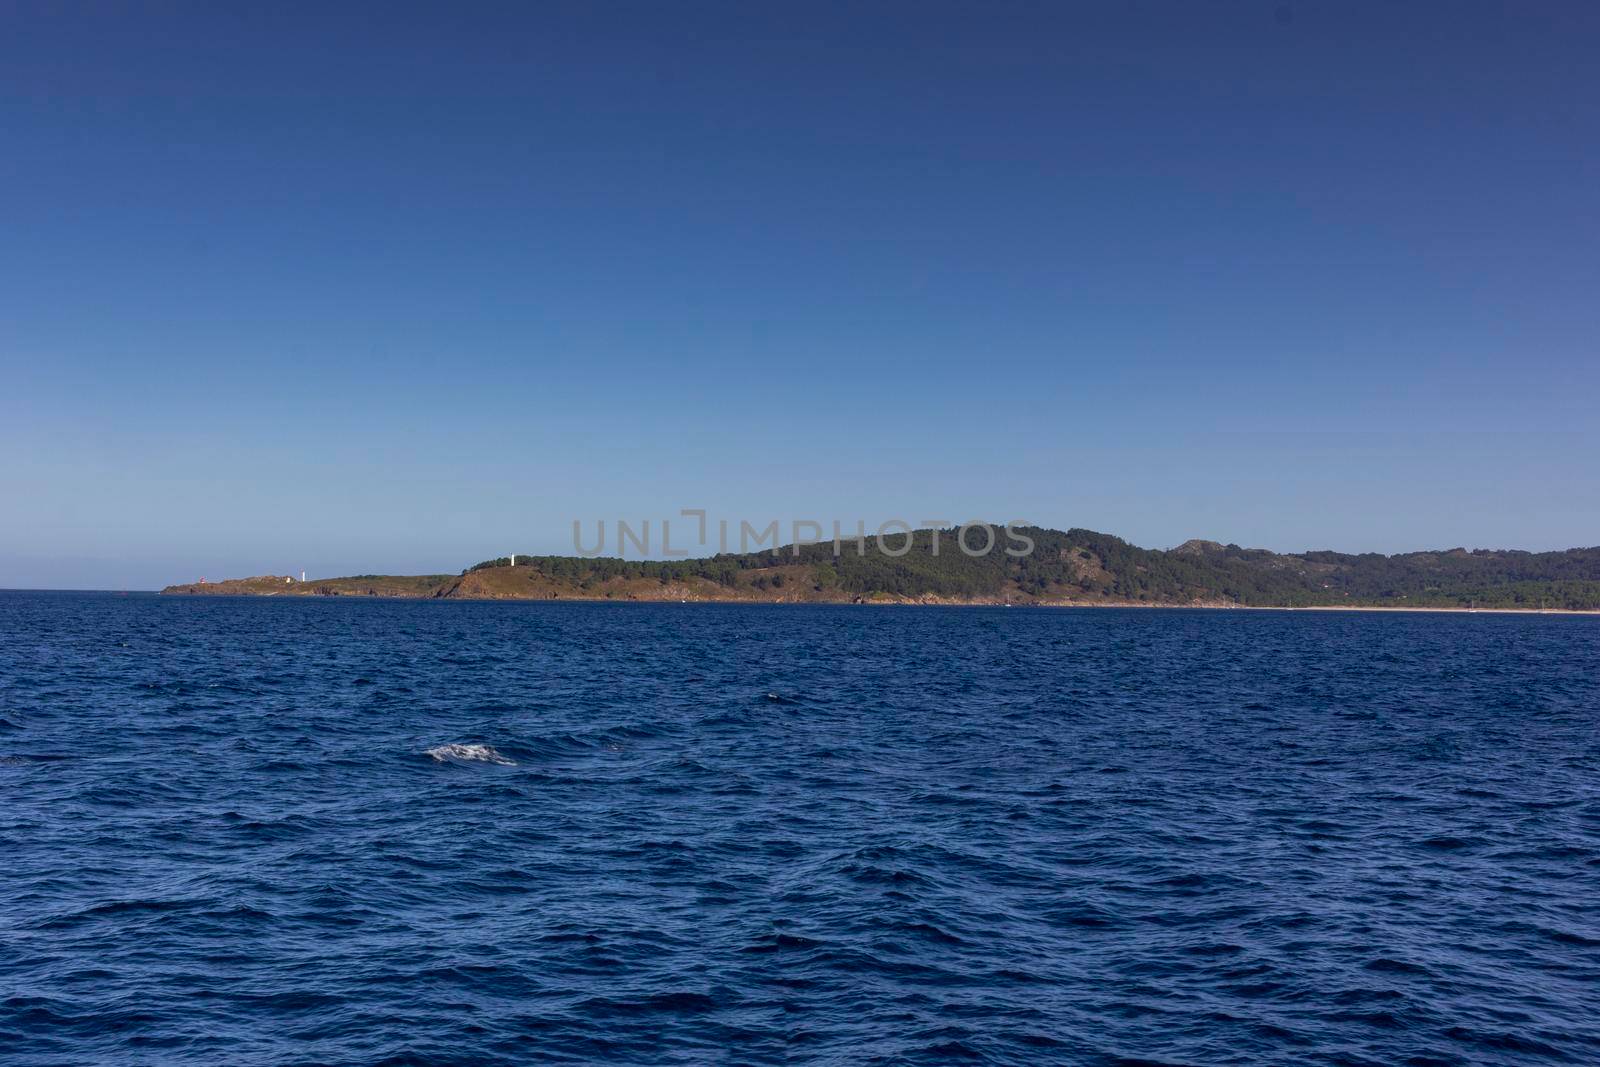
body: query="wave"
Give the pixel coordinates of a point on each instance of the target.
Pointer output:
(455, 753)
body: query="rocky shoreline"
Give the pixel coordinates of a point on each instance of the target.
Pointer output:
(506, 584)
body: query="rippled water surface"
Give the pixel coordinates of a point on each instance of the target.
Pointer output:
(300, 831)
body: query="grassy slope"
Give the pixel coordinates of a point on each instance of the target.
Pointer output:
(387, 585)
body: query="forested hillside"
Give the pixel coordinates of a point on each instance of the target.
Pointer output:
(1085, 566)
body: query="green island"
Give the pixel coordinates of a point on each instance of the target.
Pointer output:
(1066, 568)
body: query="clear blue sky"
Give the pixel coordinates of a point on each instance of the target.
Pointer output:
(297, 286)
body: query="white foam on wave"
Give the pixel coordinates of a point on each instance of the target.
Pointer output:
(469, 754)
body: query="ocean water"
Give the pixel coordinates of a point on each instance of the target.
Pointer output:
(240, 831)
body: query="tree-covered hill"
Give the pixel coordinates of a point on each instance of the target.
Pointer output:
(1083, 566)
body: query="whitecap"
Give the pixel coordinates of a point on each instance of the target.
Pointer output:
(469, 754)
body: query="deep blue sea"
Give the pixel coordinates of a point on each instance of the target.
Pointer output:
(275, 831)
